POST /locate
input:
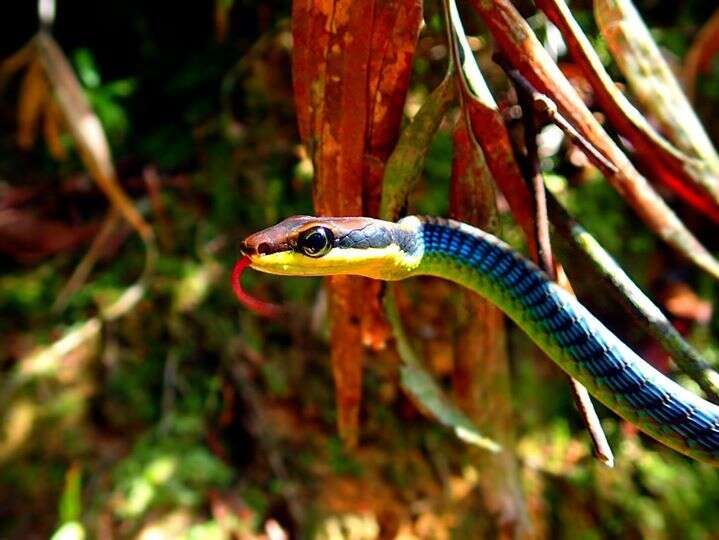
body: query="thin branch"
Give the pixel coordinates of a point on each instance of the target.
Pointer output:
(617, 282)
(528, 97)
(688, 166)
(544, 110)
(521, 46)
(110, 226)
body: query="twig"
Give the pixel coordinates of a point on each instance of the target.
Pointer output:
(548, 111)
(528, 98)
(109, 227)
(516, 39)
(583, 401)
(545, 111)
(113, 224)
(154, 192)
(619, 284)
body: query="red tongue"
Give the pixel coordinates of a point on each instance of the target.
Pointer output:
(260, 307)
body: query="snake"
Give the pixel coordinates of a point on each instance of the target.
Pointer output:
(553, 318)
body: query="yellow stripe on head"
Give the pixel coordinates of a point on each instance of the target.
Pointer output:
(389, 253)
(388, 263)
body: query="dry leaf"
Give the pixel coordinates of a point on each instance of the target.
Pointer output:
(519, 44)
(85, 128)
(699, 58)
(33, 99)
(347, 83)
(52, 130)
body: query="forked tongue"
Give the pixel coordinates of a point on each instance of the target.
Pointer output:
(265, 309)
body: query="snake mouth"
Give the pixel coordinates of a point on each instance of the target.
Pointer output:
(246, 249)
(257, 245)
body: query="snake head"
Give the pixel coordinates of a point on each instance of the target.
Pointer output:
(320, 246)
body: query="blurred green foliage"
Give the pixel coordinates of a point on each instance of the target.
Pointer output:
(156, 426)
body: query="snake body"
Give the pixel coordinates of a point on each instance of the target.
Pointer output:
(554, 319)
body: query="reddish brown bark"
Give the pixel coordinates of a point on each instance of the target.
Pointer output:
(490, 132)
(351, 68)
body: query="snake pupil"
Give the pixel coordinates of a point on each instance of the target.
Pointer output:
(316, 242)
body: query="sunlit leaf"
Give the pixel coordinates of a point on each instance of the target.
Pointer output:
(426, 392)
(72, 530)
(428, 396)
(71, 499)
(86, 68)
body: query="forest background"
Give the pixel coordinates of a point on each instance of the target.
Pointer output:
(141, 141)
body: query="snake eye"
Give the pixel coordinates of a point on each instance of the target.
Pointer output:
(316, 242)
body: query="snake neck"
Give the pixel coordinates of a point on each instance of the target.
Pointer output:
(578, 342)
(474, 259)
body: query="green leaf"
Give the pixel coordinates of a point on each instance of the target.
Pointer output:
(70, 506)
(424, 389)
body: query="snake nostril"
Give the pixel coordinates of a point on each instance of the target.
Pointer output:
(264, 248)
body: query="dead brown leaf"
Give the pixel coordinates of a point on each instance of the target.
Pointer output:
(33, 99)
(351, 66)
